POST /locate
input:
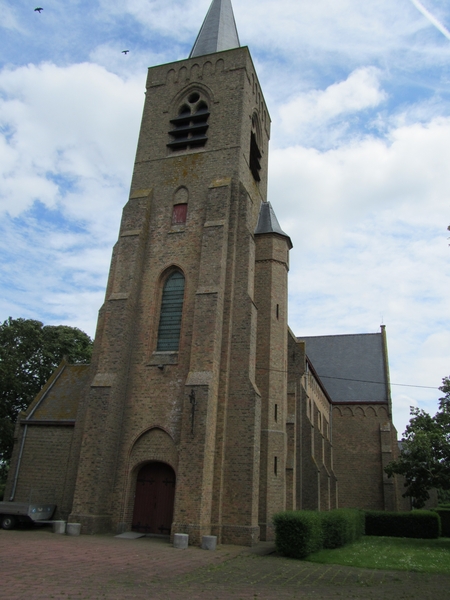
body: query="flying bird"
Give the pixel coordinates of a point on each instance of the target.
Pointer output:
(125, 51)
(38, 9)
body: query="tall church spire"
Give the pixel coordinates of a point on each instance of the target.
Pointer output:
(218, 31)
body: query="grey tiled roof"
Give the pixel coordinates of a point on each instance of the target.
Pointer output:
(351, 367)
(218, 31)
(268, 222)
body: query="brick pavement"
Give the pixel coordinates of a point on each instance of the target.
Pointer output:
(39, 565)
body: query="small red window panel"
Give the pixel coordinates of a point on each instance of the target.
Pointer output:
(179, 214)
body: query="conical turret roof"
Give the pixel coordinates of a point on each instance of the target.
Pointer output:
(218, 31)
(268, 222)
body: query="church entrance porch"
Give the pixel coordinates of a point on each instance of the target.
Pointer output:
(154, 499)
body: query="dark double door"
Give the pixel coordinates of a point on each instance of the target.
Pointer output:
(154, 499)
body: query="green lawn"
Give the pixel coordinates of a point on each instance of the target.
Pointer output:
(403, 554)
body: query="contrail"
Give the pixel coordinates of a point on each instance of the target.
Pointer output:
(431, 18)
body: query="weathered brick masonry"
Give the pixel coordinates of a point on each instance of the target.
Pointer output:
(142, 389)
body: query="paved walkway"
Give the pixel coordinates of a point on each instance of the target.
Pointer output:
(38, 564)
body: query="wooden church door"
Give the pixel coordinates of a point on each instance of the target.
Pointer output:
(154, 499)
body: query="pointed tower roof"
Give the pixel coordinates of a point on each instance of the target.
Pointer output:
(268, 222)
(218, 31)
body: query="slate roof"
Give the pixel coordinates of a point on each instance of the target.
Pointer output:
(268, 222)
(60, 397)
(218, 31)
(351, 367)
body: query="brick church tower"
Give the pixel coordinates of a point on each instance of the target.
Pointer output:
(183, 424)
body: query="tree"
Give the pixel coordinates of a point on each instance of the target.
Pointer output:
(424, 459)
(29, 353)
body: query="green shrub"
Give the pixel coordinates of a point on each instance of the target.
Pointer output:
(298, 533)
(444, 515)
(342, 526)
(415, 524)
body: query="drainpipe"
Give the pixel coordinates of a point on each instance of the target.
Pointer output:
(19, 460)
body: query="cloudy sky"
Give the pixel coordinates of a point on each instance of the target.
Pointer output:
(359, 95)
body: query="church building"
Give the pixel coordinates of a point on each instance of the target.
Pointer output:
(202, 412)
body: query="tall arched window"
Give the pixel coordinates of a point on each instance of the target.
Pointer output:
(171, 311)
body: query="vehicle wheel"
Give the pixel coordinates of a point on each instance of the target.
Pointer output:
(8, 522)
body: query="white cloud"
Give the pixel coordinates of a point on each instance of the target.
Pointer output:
(407, 172)
(306, 114)
(348, 30)
(176, 18)
(62, 127)
(51, 273)
(67, 141)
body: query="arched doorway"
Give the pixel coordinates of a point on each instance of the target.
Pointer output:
(154, 498)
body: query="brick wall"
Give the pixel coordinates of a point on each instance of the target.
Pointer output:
(43, 474)
(316, 484)
(358, 455)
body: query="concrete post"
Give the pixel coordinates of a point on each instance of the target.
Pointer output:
(180, 540)
(209, 542)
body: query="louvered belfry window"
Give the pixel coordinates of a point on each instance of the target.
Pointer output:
(190, 126)
(255, 156)
(255, 153)
(171, 311)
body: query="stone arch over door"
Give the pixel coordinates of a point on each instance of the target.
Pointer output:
(153, 446)
(154, 499)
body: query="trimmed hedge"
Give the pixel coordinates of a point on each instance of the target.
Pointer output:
(342, 526)
(444, 514)
(300, 533)
(415, 524)
(297, 533)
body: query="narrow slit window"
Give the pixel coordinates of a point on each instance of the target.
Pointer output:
(276, 413)
(275, 465)
(171, 312)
